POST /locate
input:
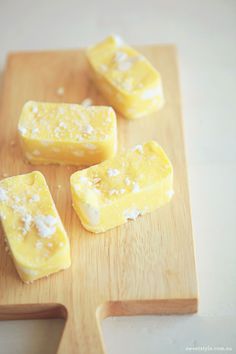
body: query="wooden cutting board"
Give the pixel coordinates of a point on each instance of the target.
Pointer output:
(144, 267)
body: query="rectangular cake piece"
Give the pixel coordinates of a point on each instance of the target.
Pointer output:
(133, 183)
(67, 133)
(33, 229)
(126, 78)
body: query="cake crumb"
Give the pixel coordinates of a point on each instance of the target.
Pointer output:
(60, 91)
(87, 102)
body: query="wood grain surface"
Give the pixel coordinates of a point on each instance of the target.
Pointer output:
(146, 266)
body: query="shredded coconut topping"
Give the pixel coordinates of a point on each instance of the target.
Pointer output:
(88, 129)
(22, 130)
(127, 181)
(124, 65)
(45, 225)
(84, 180)
(35, 130)
(113, 191)
(132, 214)
(136, 187)
(35, 198)
(27, 220)
(138, 148)
(119, 41)
(35, 109)
(120, 56)
(62, 125)
(113, 172)
(3, 195)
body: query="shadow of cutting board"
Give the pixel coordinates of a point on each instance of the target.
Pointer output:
(146, 266)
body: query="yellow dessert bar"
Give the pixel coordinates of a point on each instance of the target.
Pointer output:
(33, 229)
(126, 78)
(133, 183)
(67, 133)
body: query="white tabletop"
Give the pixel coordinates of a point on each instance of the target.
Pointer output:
(205, 34)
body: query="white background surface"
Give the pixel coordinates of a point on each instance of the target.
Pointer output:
(205, 33)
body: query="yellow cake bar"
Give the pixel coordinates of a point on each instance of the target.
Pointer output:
(33, 229)
(126, 78)
(67, 133)
(133, 183)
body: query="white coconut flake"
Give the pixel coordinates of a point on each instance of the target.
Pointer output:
(120, 56)
(138, 148)
(118, 40)
(3, 195)
(50, 244)
(83, 179)
(87, 102)
(127, 181)
(113, 172)
(136, 187)
(35, 109)
(22, 130)
(151, 93)
(19, 209)
(88, 129)
(170, 193)
(124, 65)
(113, 191)
(35, 198)
(132, 214)
(27, 220)
(62, 125)
(61, 244)
(45, 225)
(35, 130)
(16, 199)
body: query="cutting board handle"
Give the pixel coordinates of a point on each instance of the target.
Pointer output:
(82, 333)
